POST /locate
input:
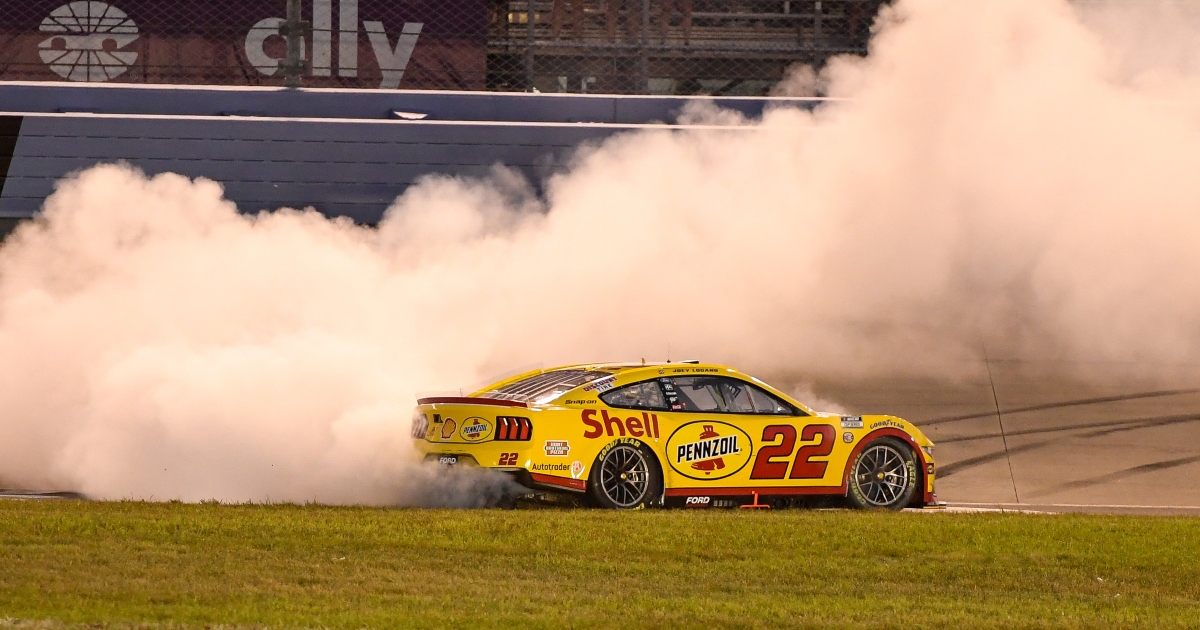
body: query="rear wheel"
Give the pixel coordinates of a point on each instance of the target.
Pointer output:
(625, 476)
(883, 476)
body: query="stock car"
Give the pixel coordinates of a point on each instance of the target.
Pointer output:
(628, 436)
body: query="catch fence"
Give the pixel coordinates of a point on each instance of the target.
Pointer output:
(723, 47)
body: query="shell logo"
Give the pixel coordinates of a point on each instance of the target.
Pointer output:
(708, 450)
(85, 41)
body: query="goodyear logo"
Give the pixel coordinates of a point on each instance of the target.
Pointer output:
(708, 449)
(475, 429)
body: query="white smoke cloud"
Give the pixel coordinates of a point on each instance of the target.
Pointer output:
(1012, 168)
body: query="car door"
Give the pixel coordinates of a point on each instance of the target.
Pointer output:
(791, 447)
(706, 447)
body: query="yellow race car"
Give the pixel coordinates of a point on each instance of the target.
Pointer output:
(627, 436)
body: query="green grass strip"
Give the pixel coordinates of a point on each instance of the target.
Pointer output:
(126, 564)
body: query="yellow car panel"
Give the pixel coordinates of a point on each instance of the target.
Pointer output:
(718, 437)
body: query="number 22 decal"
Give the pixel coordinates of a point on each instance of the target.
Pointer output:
(802, 466)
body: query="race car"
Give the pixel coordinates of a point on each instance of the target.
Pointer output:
(628, 436)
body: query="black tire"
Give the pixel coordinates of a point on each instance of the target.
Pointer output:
(625, 476)
(883, 476)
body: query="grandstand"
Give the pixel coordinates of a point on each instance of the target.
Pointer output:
(719, 47)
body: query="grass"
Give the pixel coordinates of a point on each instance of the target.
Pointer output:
(126, 564)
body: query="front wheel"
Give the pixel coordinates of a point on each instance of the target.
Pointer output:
(625, 476)
(883, 476)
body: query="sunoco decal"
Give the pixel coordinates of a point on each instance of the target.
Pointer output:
(708, 449)
(475, 429)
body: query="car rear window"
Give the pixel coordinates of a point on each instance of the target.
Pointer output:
(544, 387)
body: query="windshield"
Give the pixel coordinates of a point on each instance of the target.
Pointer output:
(544, 387)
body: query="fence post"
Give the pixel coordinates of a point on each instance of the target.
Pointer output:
(294, 29)
(644, 59)
(530, 16)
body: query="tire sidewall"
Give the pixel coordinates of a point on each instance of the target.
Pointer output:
(654, 490)
(855, 496)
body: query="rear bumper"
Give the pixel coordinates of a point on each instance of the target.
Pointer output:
(538, 480)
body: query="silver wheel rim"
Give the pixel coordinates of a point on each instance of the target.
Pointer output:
(881, 475)
(624, 476)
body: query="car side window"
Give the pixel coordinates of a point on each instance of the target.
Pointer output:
(766, 403)
(742, 397)
(644, 395)
(721, 394)
(693, 393)
(737, 396)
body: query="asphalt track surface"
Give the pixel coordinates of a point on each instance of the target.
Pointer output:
(1018, 435)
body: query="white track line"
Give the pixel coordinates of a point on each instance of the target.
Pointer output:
(1100, 506)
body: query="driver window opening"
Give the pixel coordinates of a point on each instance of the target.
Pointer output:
(645, 395)
(722, 395)
(693, 393)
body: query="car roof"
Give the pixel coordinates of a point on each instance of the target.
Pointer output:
(629, 372)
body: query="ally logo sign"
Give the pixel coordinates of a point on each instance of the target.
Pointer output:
(85, 41)
(391, 61)
(91, 41)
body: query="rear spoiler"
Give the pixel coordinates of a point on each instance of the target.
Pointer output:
(466, 400)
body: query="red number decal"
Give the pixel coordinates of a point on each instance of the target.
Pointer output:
(804, 467)
(508, 459)
(764, 468)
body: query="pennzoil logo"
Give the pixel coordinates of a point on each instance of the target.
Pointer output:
(475, 429)
(708, 449)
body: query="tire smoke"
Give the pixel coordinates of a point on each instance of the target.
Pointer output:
(1016, 169)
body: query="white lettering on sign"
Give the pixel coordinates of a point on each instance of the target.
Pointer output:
(256, 41)
(322, 38)
(392, 61)
(348, 38)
